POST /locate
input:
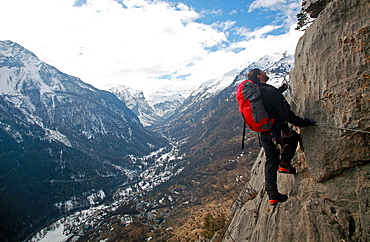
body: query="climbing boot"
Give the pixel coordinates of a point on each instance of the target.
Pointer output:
(285, 168)
(278, 199)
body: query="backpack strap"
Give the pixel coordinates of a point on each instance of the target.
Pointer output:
(243, 137)
(259, 138)
(245, 126)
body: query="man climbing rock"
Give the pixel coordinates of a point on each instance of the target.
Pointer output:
(280, 134)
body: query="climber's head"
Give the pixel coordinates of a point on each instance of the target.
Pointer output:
(258, 76)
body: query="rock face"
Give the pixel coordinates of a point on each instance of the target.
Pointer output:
(334, 210)
(331, 84)
(329, 197)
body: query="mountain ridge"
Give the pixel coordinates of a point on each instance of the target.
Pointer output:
(56, 130)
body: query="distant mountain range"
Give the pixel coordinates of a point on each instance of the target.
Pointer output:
(65, 145)
(160, 105)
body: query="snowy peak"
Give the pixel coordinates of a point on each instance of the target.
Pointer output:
(129, 95)
(135, 101)
(22, 71)
(215, 86)
(165, 102)
(163, 95)
(151, 108)
(15, 53)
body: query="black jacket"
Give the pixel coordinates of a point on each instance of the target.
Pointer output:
(278, 108)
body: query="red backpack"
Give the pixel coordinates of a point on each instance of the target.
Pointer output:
(248, 95)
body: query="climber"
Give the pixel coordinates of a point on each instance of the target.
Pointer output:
(280, 135)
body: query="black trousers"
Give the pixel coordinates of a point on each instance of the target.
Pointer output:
(274, 157)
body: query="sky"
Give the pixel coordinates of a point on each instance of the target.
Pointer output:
(150, 44)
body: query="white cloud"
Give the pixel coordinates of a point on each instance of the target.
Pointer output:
(257, 33)
(134, 3)
(132, 43)
(272, 4)
(286, 10)
(263, 45)
(224, 26)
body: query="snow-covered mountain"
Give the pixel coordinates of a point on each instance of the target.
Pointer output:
(65, 145)
(150, 109)
(135, 101)
(165, 101)
(214, 86)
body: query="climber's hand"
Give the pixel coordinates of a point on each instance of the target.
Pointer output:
(283, 88)
(311, 120)
(307, 122)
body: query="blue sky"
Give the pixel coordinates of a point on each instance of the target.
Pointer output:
(244, 13)
(234, 10)
(146, 44)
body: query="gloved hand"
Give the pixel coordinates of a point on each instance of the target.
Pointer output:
(307, 122)
(283, 88)
(311, 120)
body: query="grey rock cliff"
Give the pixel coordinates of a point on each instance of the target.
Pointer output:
(331, 84)
(329, 197)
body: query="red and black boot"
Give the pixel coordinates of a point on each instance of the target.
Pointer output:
(286, 168)
(278, 199)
